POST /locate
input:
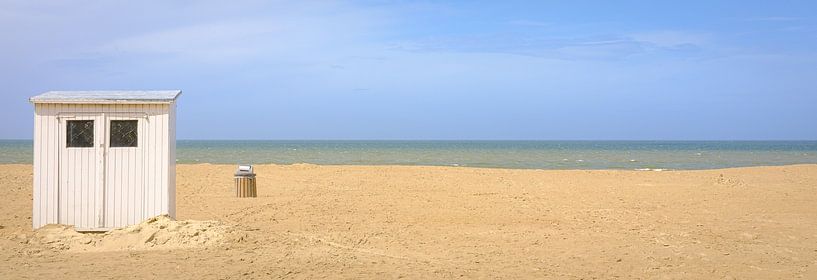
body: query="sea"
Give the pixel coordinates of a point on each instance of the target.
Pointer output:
(630, 155)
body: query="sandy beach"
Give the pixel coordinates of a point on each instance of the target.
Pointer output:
(379, 222)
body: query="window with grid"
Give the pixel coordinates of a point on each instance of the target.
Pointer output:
(80, 133)
(124, 133)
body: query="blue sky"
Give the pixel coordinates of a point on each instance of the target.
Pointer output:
(687, 70)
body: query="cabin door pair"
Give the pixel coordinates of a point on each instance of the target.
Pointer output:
(100, 170)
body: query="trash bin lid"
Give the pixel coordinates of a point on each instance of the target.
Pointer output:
(244, 170)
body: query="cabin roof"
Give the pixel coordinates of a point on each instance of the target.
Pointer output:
(108, 97)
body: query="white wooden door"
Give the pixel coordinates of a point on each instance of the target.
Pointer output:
(81, 160)
(124, 193)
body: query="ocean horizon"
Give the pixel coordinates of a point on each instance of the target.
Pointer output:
(517, 154)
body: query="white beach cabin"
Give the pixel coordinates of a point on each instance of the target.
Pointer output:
(104, 159)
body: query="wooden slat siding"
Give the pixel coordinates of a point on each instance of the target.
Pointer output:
(54, 134)
(154, 169)
(151, 194)
(111, 186)
(146, 173)
(118, 165)
(92, 174)
(87, 173)
(121, 206)
(164, 155)
(99, 195)
(143, 157)
(69, 179)
(126, 170)
(98, 206)
(127, 175)
(80, 187)
(122, 178)
(146, 163)
(68, 188)
(121, 174)
(110, 183)
(89, 181)
(139, 155)
(40, 215)
(121, 159)
(74, 180)
(116, 177)
(77, 170)
(82, 162)
(133, 210)
(42, 167)
(110, 194)
(61, 175)
(52, 187)
(49, 174)
(35, 196)
(159, 150)
(116, 173)
(41, 195)
(135, 183)
(66, 177)
(130, 170)
(171, 182)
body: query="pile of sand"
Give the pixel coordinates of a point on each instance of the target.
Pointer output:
(157, 233)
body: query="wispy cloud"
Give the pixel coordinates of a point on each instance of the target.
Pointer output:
(534, 23)
(670, 39)
(559, 47)
(281, 35)
(774, 19)
(223, 39)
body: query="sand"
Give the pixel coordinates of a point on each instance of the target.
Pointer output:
(157, 233)
(441, 222)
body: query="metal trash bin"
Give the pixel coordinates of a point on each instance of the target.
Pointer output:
(245, 182)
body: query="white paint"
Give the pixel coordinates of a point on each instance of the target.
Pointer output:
(107, 97)
(103, 187)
